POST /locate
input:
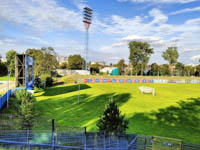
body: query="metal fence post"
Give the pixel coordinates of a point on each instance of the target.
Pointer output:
(85, 138)
(53, 134)
(145, 143)
(181, 145)
(27, 136)
(104, 140)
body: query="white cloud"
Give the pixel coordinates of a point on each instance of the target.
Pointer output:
(185, 10)
(196, 57)
(38, 40)
(159, 17)
(40, 15)
(158, 1)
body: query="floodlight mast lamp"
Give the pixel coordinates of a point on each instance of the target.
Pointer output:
(87, 20)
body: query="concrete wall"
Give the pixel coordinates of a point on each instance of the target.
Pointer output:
(65, 72)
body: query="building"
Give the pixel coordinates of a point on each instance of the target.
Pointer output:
(62, 59)
(110, 70)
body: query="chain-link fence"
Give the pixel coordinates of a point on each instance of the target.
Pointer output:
(46, 135)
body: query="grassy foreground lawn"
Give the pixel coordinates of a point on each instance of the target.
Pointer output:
(174, 111)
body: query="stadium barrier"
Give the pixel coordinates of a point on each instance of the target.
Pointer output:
(139, 81)
(3, 99)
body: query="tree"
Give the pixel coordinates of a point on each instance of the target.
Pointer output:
(75, 62)
(37, 55)
(63, 65)
(180, 68)
(94, 68)
(197, 73)
(112, 121)
(10, 56)
(45, 61)
(189, 70)
(140, 53)
(171, 55)
(3, 68)
(121, 65)
(165, 70)
(154, 69)
(25, 109)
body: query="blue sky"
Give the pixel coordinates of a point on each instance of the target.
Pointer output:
(58, 23)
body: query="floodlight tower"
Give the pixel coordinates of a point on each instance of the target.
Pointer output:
(87, 20)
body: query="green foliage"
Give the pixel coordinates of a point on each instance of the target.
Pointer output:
(165, 70)
(121, 65)
(3, 69)
(94, 68)
(37, 82)
(25, 109)
(37, 55)
(63, 65)
(171, 55)
(197, 72)
(155, 69)
(180, 68)
(112, 121)
(49, 81)
(10, 56)
(45, 61)
(75, 62)
(140, 53)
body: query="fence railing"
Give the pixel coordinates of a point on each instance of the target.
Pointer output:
(3, 99)
(77, 138)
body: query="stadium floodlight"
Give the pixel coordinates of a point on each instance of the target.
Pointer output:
(87, 20)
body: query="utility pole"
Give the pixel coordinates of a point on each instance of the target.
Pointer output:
(87, 20)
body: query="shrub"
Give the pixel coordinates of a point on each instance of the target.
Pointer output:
(49, 81)
(112, 121)
(37, 82)
(25, 108)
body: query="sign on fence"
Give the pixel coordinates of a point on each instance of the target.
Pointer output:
(138, 81)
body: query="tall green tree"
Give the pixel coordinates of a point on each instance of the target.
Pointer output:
(155, 69)
(140, 53)
(37, 55)
(165, 70)
(171, 55)
(121, 65)
(75, 62)
(45, 61)
(189, 70)
(10, 56)
(180, 68)
(112, 121)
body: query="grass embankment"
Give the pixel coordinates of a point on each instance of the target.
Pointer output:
(5, 78)
(174, 111)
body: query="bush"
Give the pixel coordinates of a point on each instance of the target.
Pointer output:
(37, 82)
(112, 121)
(25, 108)
(49, 81)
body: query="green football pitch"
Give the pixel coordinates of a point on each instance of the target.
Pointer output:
(174, 112)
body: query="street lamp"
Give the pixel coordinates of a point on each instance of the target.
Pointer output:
(87, 20)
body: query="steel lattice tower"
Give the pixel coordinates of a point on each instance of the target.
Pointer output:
(87, 20)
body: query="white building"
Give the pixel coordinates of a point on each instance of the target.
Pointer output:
(62, 59)
(107, 69)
